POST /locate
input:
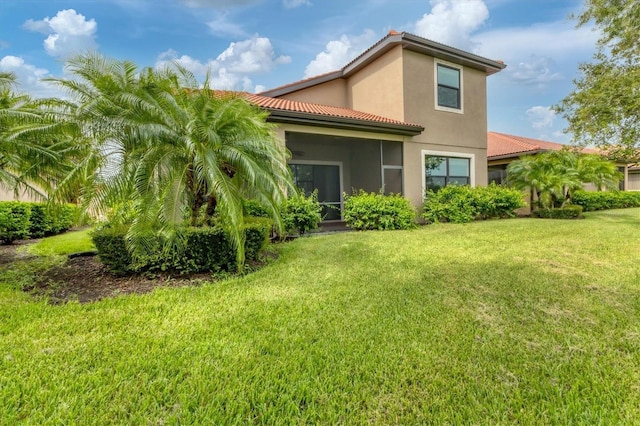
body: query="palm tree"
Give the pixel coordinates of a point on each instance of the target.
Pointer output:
(553, 176)
(171, 147)
(30, 145)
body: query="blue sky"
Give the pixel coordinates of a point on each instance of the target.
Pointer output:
(259, 44)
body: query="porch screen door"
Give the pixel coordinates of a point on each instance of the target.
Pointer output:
(326, 179)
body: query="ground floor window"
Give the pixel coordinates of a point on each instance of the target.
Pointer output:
(498, 174)
(326, 179)
(441, 170)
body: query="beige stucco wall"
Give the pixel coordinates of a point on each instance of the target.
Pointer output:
(333, 93)
(6, 195)
(377, 88)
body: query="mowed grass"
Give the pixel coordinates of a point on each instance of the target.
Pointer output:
(525, 321)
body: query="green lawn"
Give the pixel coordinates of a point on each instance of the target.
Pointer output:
(526, 321)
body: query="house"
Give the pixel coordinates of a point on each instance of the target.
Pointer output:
(633, 177)
(406, 115)
(502, 149)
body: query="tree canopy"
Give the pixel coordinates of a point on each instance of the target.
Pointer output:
(553, 176)
(33, 144)
(170, 149)
(604, 107)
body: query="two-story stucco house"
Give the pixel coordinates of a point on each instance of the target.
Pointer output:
(404, 103)
(405, 115)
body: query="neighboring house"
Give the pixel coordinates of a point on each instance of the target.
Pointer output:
(633, 177)
(405, 115)
(502, 149)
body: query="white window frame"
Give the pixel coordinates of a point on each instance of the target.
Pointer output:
(437, 62)
(327, 163)
(472, 165)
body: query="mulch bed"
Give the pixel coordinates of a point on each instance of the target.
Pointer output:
(85, 279)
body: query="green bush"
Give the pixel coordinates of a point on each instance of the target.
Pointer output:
(376, 211)
(112, 248)
(603, 200)
(461, 204)
(302, 214)
(567, 212)
(49, 220)
(496, 201)
(207, 249)
(14, 221)
(254, 209)
(450, 204)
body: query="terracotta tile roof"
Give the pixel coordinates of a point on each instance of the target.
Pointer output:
(504, 146)
(280, 104)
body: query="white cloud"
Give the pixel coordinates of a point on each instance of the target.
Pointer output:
(452, 22)
(222, 26)
(290, 4)
(232, 68)
(255, 55)
(68, 32)
(541, 116)
(338, 53)
(259, 88)
(29, 77)
(536, 71)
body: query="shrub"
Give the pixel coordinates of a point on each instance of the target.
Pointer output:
(567, 212)
(376, 211)
(461, 204)
(112, 248)
(49, 220)
(14, 221)
(302, 214)
(254, 209)
(496, 201)
(603, 200)
(450, 204)
(207, 249)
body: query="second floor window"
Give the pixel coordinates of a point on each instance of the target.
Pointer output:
(449, 87)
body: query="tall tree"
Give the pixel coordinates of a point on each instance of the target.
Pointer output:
(32, 141)
(170, 148)
(604, 108)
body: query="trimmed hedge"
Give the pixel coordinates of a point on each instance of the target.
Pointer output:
(567, 212)
(14, 221)
(461, 204)
(604, 200)
(376, 211)
(207, 249)
(20, 220)
(51, 220)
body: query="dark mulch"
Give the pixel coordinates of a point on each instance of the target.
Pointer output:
(85, 279)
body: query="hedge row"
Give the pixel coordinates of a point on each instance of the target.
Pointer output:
(375, 211)
(461, 204)
(567, 212)
(603, 200)
(207, 249)
(21, 220)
